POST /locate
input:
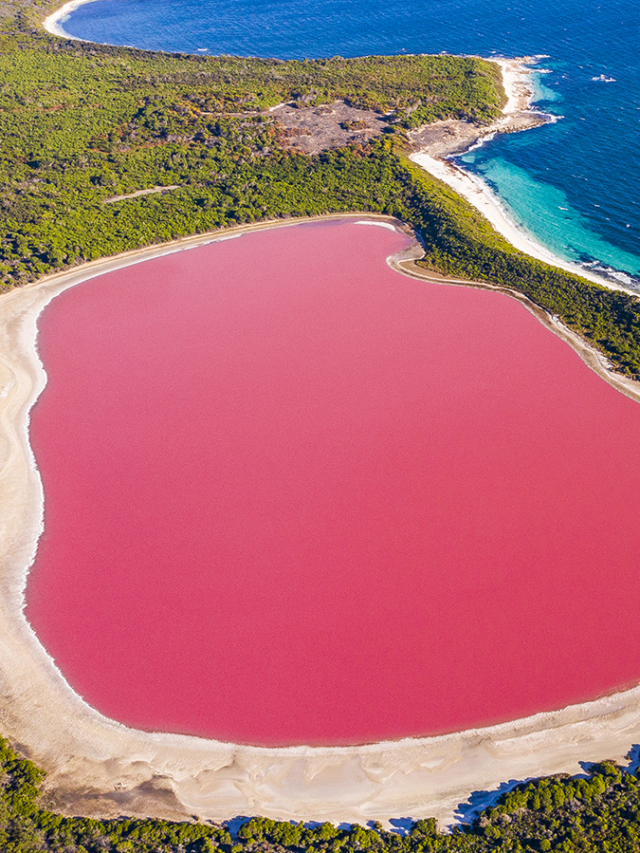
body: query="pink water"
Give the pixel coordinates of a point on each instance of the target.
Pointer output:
(292, 496)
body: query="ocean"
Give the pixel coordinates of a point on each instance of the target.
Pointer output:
(571, 184)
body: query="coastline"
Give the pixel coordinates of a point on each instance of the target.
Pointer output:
(53, 22)
(101, 767)
(434, 158)
(517, 116)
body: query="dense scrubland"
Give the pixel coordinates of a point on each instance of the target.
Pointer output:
(597, 811)
(81, 124)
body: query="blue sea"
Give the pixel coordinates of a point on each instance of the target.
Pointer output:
(572, 184)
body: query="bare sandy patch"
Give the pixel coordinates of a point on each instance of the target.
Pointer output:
(138, 193)
(311, 130)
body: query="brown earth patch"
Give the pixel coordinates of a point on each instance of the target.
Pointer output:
(315, 129)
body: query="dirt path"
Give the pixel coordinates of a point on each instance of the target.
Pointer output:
(139, 193)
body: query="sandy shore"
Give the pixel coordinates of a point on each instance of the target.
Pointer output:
(54, 23)
(443, 139)
(97, 766)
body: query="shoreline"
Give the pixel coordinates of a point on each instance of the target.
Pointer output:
(433, 158)
(517, 116)
(100, 767)
(593, 359)
(53, 22)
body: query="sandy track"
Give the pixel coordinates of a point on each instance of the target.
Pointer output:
(100, 767)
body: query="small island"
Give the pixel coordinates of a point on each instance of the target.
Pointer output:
(113, 155)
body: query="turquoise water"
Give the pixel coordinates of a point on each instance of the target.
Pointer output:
(571, 184)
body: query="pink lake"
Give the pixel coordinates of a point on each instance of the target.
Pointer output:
(292, 496)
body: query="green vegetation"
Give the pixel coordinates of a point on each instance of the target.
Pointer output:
(597, 812)
(80, 124)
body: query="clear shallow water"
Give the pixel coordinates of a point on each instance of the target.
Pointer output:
(315, 477)
(587, 162)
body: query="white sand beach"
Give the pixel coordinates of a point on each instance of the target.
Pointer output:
(100, 767)
(515, 75)
(54, 23)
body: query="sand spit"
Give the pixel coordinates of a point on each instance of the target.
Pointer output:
(435, 143)
(100, 767)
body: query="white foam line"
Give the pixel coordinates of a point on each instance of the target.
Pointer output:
(477, 193)
(377, 224)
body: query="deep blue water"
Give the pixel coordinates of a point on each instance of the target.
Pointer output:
(572, 184)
